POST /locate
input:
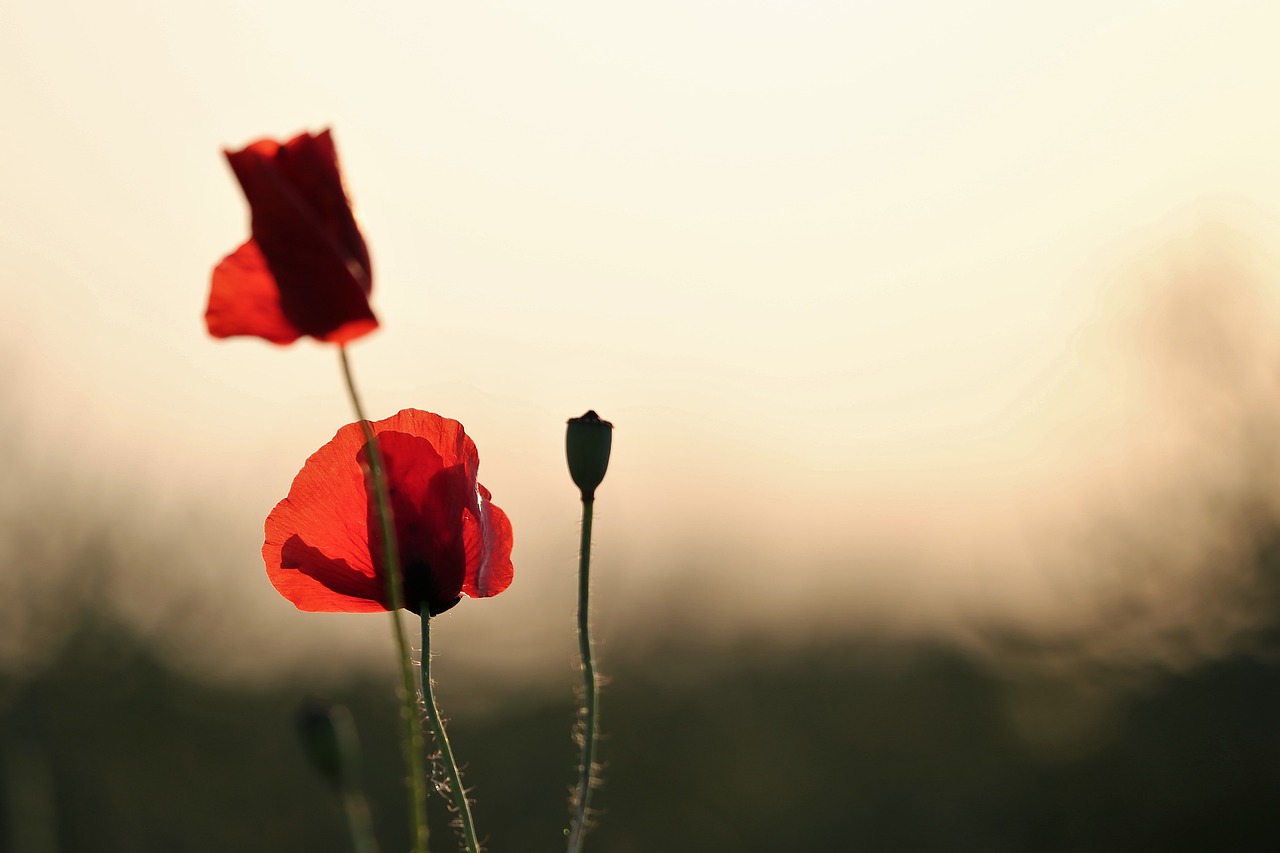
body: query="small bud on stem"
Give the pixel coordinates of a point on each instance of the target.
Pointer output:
(587, 444)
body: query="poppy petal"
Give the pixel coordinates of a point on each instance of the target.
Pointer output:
(322, 286)
(309, 248)
(244, 299)
(309, 164)
(320, 583)
(329, 567)
(428, 517)
(452, 540)
(488, 547)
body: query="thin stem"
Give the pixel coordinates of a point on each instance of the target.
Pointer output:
(411, 740)
(461, 804)
(356, 808)
(354, 804)
(590, 688)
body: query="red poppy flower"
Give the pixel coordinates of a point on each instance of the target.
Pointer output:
(323, 549)
(306, 269)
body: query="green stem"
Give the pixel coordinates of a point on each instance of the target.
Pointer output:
(461, 804)
(411, 740)
(590, 688)
(356, 808)
(355, 805)
(357, 821)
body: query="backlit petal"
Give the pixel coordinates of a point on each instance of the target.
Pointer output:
(317, 538)
(323, 541)
(309, 249)
(244, 299)
(488, 548)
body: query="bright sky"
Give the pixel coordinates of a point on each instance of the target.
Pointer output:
(847, 276)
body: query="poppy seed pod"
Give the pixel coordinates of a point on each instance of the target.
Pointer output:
(587, 443)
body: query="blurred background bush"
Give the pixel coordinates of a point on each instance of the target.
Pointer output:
(834, 746)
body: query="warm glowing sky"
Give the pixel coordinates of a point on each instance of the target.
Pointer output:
(846, 275)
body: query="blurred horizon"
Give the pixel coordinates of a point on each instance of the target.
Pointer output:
(1137, 543)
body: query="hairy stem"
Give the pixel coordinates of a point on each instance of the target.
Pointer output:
(590, 688)
(461, 804)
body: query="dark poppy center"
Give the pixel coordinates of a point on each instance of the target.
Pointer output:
(418, 588)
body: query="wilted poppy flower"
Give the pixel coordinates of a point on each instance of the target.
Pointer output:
(323, 548)
(306, 269)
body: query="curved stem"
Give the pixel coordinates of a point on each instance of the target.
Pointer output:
(411, 740)
(461, 804)
(590, 688)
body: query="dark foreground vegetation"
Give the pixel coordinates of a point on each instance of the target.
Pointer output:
(832, 748)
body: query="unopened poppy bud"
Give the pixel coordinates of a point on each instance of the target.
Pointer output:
(327, 734)
(587, 443)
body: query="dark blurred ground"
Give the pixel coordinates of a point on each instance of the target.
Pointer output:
(842, 746)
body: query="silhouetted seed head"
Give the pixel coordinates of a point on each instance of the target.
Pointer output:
(587, 444)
